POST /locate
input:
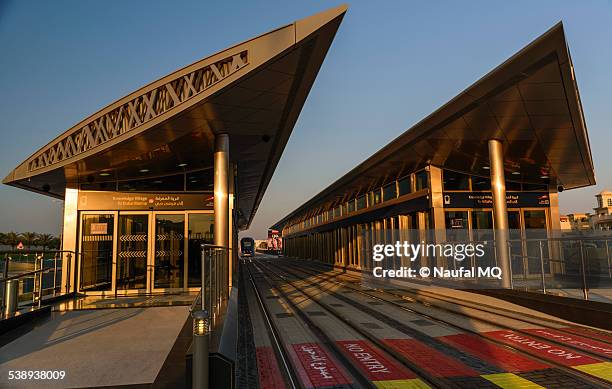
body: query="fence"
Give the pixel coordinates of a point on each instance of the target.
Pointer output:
(39, 274)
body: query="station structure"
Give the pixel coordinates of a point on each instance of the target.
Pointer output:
(491, 159)
(182, 161)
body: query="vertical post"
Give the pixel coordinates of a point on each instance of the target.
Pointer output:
(199, 365)
(54, 274)
(203, 280)
(34, 277)
(500, 214)
(40, 281)
(5, 275)
(585, 291)
(608, 257)
(221, 200)
(11, 296)
(542, 268)
(67, 268)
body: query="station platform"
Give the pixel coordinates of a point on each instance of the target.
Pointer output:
(317, 327)
(113, 342)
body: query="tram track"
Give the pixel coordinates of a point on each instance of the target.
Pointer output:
(427, 379)
(574, 329)
(359, 378)
(603, 346)
(290, 379)
(577, 374)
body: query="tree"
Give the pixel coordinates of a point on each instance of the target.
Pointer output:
(55, 243)
(3, 238)
(29, 238)
(45, 240)
(12, 239)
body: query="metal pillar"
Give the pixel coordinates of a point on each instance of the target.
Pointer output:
(500, 213)
(11, 296)
(221, 189)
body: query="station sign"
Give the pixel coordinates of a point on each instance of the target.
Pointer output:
(129, 201)
(485, 199)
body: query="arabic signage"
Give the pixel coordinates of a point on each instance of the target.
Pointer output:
(123, 201)
(485, 199)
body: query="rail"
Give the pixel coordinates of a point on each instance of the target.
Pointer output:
(32, 276)
(572, 266)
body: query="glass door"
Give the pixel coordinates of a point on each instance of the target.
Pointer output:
(169, 251)
(133, 252)
(96, 262)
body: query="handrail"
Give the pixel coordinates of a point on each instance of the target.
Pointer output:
(213, 246)
(27, 252)
(195, 301)
(26, 274)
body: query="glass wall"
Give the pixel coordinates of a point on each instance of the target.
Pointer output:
(201, 230)
(97, 232)
(455, 181)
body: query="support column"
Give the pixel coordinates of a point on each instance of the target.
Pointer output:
(437, 210)
(500, 213)
(232, 258)
(69, 240)
(221, 189)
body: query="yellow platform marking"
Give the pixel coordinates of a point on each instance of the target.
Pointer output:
(602, 370)
(414, 383)
(511, 381)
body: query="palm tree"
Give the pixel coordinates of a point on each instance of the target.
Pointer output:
(45, 240)
(12, 239)
(29, 238)
(55, 243)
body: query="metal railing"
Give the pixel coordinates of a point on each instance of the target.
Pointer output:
(571, 266)
(208, 307)
(33, 275)
(548, 262)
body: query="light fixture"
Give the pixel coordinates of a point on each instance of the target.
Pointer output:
(144, 170)
(193, 181)
(157, 181)
(516, 173)
(543, 177)
(104, 174)
(182, 164)
(200, 323)
(486, 167)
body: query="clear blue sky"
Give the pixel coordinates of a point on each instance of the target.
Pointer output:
(392, 63)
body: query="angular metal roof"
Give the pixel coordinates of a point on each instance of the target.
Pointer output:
(253, 91)
(531, 102)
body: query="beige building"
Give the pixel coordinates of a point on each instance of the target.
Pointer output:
(602, 219)
(579, 221)
(586, 221)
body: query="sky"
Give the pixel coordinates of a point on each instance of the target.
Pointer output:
(392, 63)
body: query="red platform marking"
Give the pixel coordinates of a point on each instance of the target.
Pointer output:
(604, 336)
(372, 361)
(542, 349)
(577, 341)
(431, 360)
(270, 376)
(320, 368)
(492, 353)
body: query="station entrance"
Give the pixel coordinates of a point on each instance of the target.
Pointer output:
(125, 252)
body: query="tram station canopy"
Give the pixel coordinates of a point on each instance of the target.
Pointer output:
(253, 91)
(530, 102)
